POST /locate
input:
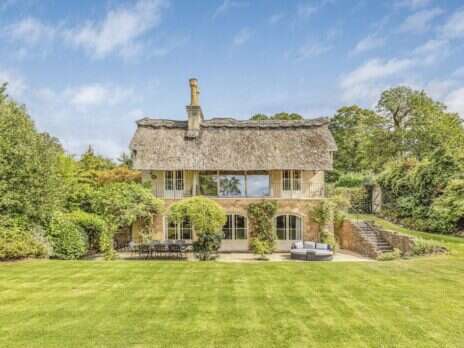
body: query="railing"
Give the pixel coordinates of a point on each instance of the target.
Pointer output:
(307, 191)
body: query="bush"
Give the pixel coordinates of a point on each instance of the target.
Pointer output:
(427, 247)
(261, 248)
(206, 246)
(67, 238)
(18, 242)
(93, 226)
(389, 256)
(350, 180)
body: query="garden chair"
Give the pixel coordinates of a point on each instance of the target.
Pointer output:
(176, 250)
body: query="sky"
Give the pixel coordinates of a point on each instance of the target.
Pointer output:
(87, 70)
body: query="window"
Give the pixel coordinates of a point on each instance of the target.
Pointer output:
(208, 183)
(291, 180)
(231, 184)
(288, 227)
(257, 184)
(179, 231)
(174, 180)
(235, 227)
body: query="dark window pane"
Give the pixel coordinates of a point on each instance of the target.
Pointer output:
(186, 230)
(240, 227)
(294, 227)
(179, 180)
(172, 230)
(280, 227)
(168, 181)
(227, 228)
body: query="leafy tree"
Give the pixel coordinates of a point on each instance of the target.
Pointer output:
(90, 161)
(29, 185)
(125, 159)
(259, 117)
(207, 218)
(448, 209)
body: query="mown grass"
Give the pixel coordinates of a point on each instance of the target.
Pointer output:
(405, 303)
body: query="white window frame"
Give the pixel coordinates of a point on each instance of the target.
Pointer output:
(299, 233)
(234, 230)
(179, 230)
(292, 180)
(178, 177)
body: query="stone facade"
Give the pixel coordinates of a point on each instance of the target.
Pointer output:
(351, 239)
(398, 241)
(298, 207)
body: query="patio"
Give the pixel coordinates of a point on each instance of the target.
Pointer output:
(340, 256)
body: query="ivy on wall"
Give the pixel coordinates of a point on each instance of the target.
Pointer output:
(262, 234)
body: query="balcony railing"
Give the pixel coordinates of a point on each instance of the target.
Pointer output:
(308, 191)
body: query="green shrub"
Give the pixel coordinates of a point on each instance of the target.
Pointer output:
(389, 256)
(427, 247)
(93, 225)
(67, 238)
(261, 248)
(19, 242)
(350, 180)
(206, 246)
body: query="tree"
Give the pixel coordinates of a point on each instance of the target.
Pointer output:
(29, 184)
(277, 116)
(352, 128)
(207, 218)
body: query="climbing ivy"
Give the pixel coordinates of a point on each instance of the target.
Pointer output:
(260, 215)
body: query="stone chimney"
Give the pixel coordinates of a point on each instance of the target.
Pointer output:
(195, 115)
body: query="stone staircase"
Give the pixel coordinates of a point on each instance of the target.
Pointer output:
(372, 237)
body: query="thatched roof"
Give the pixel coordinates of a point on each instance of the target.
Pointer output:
(229, 144)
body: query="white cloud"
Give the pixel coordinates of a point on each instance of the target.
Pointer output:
(97, 95)
(455, 101)
(370, 42)
(413, 4)
(432, 50)
(226, 6)
(454, 26)
(16, 84)
(368, 80)
(31, 31)
(242, 37)
(121, 29)
(420, 21)
(438, 89)
(312, 49)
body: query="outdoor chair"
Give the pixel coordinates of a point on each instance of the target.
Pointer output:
(176, 250)
(133, 248)
(159, 250)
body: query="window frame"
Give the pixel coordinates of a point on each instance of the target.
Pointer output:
(292, 180)
(287, 231)
(179, 229)
(234, 228)
(174, 181)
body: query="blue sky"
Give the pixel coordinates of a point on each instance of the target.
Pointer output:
(86, 70)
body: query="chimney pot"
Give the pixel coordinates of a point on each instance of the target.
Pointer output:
(195, 115)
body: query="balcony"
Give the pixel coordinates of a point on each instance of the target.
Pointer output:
(307, 191)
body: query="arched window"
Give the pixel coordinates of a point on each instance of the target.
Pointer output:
(288, 227)
(235, 227)
(178, 230)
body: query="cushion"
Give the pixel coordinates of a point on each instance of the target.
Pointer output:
(309, 245)
(323, 252)
(322, 246)
(297, 245)
(298, 251)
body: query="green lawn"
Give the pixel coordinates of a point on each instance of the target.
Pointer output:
(407, 303)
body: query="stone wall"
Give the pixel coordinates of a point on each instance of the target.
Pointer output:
(299, 207)
(398, 241)
(351, 239)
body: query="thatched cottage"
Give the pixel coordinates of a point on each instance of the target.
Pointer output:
(235, 162)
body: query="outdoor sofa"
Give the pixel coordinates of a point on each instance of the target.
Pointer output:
(311, 251)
